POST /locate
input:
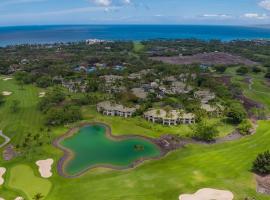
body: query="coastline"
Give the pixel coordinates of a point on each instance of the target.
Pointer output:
(21, 35)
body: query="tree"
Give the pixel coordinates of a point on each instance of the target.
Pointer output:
(220, 68)
(14, 107)
(236, 112)
(2, 99)
(51, 99)
(262, 164)
(205, 131)
(23, 77)
(242, 70)
(256, 69)
(59, 116)
(44, 82)
(38, 196)
(244, 127)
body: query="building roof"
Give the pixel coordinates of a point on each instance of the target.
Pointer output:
(208, 108)
(170, 115)
(107, 105)
(139, 92)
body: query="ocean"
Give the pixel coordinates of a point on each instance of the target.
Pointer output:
(72, 33)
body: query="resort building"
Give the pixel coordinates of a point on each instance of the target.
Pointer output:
(172, 117)
(111, 78)
(213, 110)
(139, 92)
(204, 95)
(112, 109)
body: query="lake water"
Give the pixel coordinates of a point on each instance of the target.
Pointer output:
(92, 147)
(71, 33)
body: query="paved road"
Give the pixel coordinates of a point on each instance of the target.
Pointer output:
(7, 139)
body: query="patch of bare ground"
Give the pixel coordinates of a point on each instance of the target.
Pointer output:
(263, 184)
(214, 58)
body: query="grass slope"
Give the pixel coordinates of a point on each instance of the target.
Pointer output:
(22, 178)
(223, 166)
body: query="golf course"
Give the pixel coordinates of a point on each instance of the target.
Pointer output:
(224, 166)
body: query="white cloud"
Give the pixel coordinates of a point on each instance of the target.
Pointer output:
(255, 16)
(103, 2)
(106, 3)
(265, 4)
(127, 1)
(216, 16)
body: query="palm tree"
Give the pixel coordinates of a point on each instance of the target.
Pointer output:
(38, 196)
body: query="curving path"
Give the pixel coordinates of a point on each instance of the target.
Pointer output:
(7, 139)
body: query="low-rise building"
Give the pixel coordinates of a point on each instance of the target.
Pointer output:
(213, 110)
(112, 109)
(111, 78)
(172, 117)
(139, 92)
(204, 95)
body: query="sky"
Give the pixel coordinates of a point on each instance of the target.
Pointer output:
(213, 12)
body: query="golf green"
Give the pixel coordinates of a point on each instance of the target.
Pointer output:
(93, 146)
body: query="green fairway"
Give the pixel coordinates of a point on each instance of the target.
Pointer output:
(27, 119)
(2, 140)
(138, 47)
(22, 178)
(222, 166)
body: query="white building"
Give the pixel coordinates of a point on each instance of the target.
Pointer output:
(172, 117)
(112, 109)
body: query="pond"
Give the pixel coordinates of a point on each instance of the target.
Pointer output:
(94, 146)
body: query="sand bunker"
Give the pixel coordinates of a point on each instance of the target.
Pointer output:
(6, 79)
(1, 198)
(208, 194)
(2, 172)
(45, 167)
(41, 94)
(6, 93)
(19, 198)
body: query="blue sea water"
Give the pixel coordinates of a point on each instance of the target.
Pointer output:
(71, 33)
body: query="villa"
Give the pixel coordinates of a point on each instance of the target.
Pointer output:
(204, 95)
(140, 74)
(111, 109)
(139, 92)
(172, 117)
(111, 78)
(213, 110)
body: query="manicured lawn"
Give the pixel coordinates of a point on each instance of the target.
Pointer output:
(259, 91)
(223, 166)
(139, 126)
(2, 140)
(138, 46)
(22, 178)
(28, 119)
